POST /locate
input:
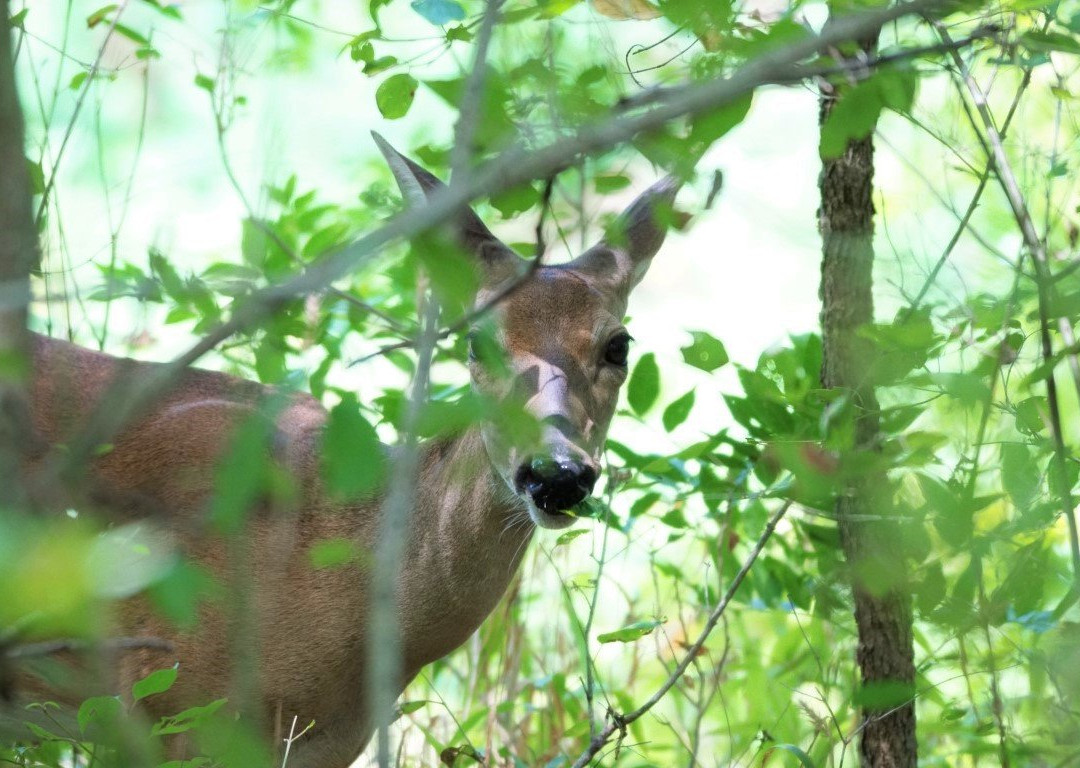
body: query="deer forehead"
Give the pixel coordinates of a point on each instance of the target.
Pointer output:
(561, 308)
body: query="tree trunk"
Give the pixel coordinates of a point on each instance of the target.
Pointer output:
(870, 539)
(18, 256)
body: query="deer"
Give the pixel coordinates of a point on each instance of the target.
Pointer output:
(479, 496)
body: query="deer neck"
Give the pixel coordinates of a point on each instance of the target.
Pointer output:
(468, 537)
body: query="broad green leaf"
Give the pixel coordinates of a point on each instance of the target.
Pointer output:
(707, 352)
(930, 589)
(353, 458)
(610, 183)
(242, 479)
(952, 520)
(395, 95)
(178, 594)
(1038, 41)
(406, 707)
(644, 385)
(710, 126)
(857, 109)
(439, 12)
(1019, 474)
(100, 711)
(157, 681)
(677, 411)
(37, 176)
(630, 632)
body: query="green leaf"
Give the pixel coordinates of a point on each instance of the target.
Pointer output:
(707, 352)
(569, 536)
(407, 707)
(857, 108)
(802, 757)
(395, 95)
(952, 520)
(187, 720)
(610, 183)
(102, 711)
(676, 413)
(630, 632)
(37, 177)
(1038, 41)
(205, 82)
(270, 362)
(710, 126)
(353, 458)
(333, 553)
(590, 506)
(179, 592)
(644, 385)
(158, 681)
(99, 15)
(458, 33)
(1019, 475)
(439, 12)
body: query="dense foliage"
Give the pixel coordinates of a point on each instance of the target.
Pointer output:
(705, 448)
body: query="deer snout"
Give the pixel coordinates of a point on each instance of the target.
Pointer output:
(555, 485)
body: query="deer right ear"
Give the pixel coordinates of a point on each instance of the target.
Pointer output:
(418, 185)
(638, 234)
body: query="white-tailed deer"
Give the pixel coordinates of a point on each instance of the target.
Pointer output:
(479, 495)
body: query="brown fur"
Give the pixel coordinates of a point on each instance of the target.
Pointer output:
(467, 532)
(311, 631)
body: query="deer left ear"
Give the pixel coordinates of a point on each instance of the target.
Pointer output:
(417, 184)
(637, 235)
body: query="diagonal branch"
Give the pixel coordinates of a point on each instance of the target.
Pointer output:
(516, 165)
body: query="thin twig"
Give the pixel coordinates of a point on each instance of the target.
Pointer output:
(984, 177)
(617, 722)
(995, 150)
(87, 84)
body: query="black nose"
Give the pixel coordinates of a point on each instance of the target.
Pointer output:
(555, 485)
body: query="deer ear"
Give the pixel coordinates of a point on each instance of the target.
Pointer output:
(638, 234)
(418, 185)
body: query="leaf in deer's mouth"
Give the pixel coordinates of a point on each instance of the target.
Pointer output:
(590, 506)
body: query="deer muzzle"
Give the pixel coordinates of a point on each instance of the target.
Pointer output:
(555, 485)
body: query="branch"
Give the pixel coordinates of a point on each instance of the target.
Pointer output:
(996, 154)
(384, 647)
(619, 722)
(984, 177)
(50, 647)
(515, 166)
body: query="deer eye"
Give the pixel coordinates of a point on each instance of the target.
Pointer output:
(617, 349)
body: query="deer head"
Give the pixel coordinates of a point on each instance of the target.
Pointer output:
(561, 338)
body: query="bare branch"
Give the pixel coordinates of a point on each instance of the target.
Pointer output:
(51, 647)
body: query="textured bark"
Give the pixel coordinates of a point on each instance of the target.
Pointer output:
(18, 255)
(871, 541)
